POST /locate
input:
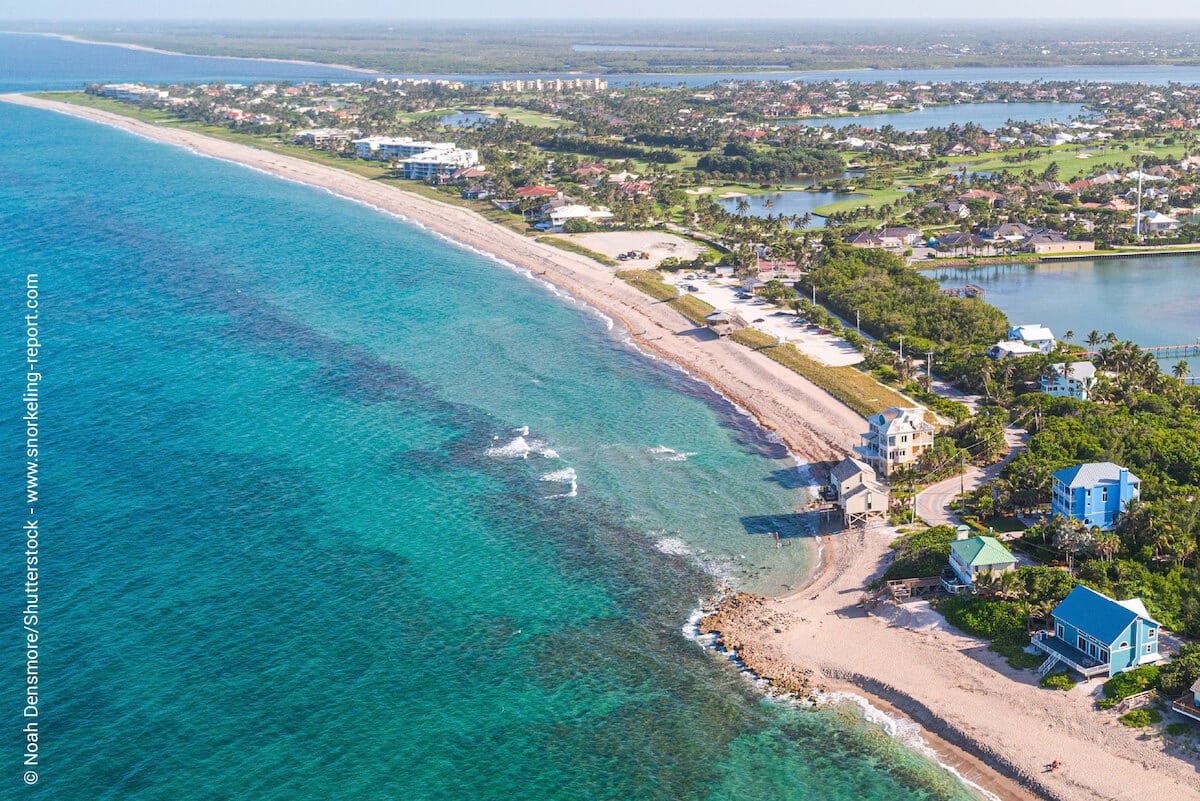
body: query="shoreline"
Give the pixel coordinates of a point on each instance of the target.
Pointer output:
(814, 426)
(67, 37)
(976, 712)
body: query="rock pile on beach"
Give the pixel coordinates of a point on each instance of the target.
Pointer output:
(739, 621)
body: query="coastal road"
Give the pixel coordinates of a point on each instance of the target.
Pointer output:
(933, 502)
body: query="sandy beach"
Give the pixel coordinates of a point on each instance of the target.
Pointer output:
(966, 698)
(814, 426)
(992, 723)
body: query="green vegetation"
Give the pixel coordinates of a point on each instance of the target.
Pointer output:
(744, 161)
(521, 116)
(859, 391)
(1178, 729)
(894, 300)
(1003, 623)
(1152, 552)
(655, 46)
(1141, 718)
(1131, 682)
(1058, 681)
(649, 282)
(1012, 604)
(575, 247)
(1177, 676)
(107, 104)
(920, 553)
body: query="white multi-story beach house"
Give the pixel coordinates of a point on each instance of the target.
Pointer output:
(1075, 380)
(897, 437)
(1035, 336)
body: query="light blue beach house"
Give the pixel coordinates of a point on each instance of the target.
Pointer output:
(1094, 493)
(1098, 636)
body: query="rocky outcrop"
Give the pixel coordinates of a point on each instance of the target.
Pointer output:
(738, 621)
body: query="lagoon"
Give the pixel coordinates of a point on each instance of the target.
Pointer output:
(988, 116)
(1151, 301)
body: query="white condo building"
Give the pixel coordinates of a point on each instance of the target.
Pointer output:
(418, 159)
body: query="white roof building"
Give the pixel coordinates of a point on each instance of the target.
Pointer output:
(1015, 348)
(560, 215)
(1038, 336)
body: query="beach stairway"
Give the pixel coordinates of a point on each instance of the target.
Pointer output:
(1048, 665)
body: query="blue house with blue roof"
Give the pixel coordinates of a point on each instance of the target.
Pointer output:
(1094, 493)
(1098, 636)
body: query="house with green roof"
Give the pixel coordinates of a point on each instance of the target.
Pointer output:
(972, 556)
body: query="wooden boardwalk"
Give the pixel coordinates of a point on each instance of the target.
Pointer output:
(1184, 351)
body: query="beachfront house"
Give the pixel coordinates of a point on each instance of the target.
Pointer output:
(1012, 348)
(1098, 636)
(1075, 380)
(859, 493)
(971, 557)
(1189, 705)
(1094, 493)
(1035, 336)
(575, 211)
(897, 437)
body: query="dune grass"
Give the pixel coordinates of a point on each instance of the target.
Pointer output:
(649, 282)
(856, 389)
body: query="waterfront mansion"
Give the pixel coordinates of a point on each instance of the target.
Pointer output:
(897, 438)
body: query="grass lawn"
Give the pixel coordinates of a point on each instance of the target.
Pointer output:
(526, 117)
(107, 104)
(874, 199)
(1125, 155)
(856, 389)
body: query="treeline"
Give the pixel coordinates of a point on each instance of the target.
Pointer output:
(690, 141)
(744, 161)
(893, 300)
(1156, 437)
(608, 150)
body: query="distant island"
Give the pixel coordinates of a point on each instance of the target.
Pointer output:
(598, 46)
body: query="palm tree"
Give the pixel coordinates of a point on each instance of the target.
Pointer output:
(1181, 369)
(1106, 545)
(742, 205)
(1093, 339)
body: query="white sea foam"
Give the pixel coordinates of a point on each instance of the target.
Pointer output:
(520, 447)
(565, 476)
(673, 546)
(514, 449)
(902, 729)
(670, 454)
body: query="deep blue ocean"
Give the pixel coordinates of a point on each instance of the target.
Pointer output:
(332, 508)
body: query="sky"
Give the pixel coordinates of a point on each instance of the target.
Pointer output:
(680, 10)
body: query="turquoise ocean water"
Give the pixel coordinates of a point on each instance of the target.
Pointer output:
(333, 508)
